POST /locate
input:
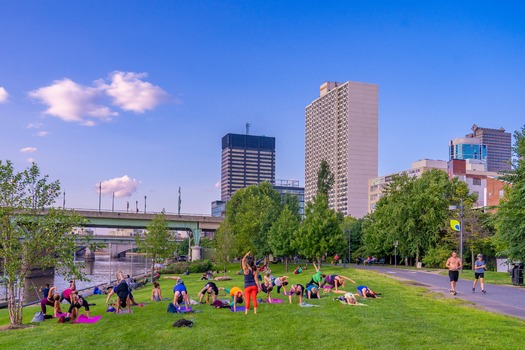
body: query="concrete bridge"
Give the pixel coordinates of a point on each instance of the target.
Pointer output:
(195, 225)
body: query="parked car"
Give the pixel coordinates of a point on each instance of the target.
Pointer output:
(183, 258)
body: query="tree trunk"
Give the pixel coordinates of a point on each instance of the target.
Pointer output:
(14, 306)
(319, 263)
(472, 256)
(286, 263)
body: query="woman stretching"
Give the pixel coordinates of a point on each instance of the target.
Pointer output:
(336, 281)
(156, 293)
(179, 290)
(251, 282)
(51, 299)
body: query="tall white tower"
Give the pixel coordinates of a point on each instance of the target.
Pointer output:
(342, 128)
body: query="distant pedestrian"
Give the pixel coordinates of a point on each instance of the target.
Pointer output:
(479, 273)
(453, 265)
(336, 259)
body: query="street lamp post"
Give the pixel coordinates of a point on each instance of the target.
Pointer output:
(395, 253)
(460, 207)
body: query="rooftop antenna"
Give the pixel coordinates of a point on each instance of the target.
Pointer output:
(248, 128)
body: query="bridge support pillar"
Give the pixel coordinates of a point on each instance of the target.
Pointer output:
(195, 252)
(113, 250)
(89, 255)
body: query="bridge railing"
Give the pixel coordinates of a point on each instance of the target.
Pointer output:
(135, 212)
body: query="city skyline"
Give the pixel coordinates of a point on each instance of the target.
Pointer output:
(140, 100)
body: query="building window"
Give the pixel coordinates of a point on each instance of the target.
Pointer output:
(476, 182)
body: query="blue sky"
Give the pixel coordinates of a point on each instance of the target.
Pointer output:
(138, 94)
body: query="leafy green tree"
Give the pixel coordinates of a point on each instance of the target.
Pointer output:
(224, 244)
(158, 242)
(325, 178)
(510, 217)
(414, 212)
(250, 213)
(32, 233)
(292, 202)
(282, 233)
(320, 230)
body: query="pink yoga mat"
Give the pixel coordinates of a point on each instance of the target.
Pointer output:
(62, 314)
(239, 308)
(85, 319)
(277, 301)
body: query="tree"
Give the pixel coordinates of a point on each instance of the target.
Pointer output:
(510, 217)
(320, 230)
(414, 212)
(282, 233)
(32, 233)
(158, 242)
(224, 244)
(250, 213)
(325, 178)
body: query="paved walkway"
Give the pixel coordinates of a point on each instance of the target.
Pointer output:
(507, 300)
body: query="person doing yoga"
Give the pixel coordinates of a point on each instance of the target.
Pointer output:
(251, 281)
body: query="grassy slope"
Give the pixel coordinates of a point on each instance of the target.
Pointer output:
(406, 317)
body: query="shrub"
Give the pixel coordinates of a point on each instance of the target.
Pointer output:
(436, 257)
(181, 267)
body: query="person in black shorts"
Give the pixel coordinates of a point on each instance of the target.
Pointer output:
(479, 273)
(453, 265)
(209, 289)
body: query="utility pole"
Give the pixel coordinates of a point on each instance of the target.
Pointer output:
(461, 235)
(145, 204)
(99, 195)
(179, 203)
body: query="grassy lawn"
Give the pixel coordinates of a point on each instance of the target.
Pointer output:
(405, 317)
(492, 277)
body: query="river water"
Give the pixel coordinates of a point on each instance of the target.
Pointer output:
(100, 271)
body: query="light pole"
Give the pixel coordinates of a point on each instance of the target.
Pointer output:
(395, 253)
(460, 207)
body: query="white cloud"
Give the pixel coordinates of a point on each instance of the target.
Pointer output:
(28, 150)
(42, 133)
(122, 186)
(73, 102)
(30, 160)
(34, 126)
(218, 184)
(130, 93)
(3, 95)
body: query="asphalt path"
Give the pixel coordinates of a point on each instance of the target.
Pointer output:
(507, 300)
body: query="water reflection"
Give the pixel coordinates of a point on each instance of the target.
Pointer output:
(101, 270)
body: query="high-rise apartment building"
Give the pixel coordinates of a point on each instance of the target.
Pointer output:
(499, 146)
(342, 128)
(246, 160)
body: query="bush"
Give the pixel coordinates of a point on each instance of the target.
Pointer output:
(193, 267)
(436, 257)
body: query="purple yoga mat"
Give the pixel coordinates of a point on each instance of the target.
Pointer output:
(239, 308)
(85, 319)
(277, 301)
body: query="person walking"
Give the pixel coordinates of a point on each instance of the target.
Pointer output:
(453, 265)
(479, 273)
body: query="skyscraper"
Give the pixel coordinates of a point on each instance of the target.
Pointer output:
(342, 128)
(499, 147)
(246, 160)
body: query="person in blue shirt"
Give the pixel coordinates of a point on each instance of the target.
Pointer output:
(479, 273)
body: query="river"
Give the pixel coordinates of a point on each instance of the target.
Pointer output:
(100, 271)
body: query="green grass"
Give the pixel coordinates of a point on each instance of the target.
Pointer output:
(501, 278)
(406, 317)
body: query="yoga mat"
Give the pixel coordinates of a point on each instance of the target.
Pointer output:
(308, 305)
(239, 308)
(62, 314)
(182, 310)
(277, 301)
(84, 319)
(141, 304)
(124, 311)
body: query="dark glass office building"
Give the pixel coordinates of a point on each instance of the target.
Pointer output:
(246, 160)
(499, 147)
